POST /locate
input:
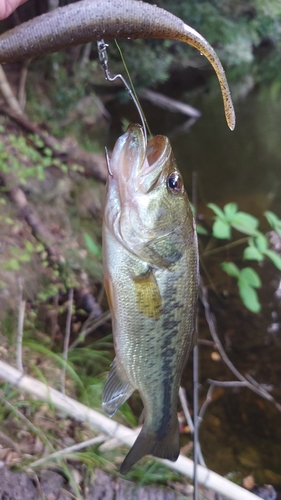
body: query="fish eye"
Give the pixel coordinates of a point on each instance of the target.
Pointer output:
(175, 183)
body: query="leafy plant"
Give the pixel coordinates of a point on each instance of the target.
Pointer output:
(247, 280)
(23, 255)
(257, 248)
(230, 218)
(27, 158)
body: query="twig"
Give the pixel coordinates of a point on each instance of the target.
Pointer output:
(227, 383)
(173, 105)
(255, 387)
(183, 128)
(66, 338)
(68, 493)
(184, 404)
(206, 403)
(6, 440)
(85, 55)
(261, 386)
(21, 312)
(225, 247)
(209, 343)
(183, 400)
(70, 449)
(91, 328)
(8, 94)
(29, 424)
(127, 436)
(22, 83)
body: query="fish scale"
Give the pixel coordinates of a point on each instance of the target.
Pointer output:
(151, 278)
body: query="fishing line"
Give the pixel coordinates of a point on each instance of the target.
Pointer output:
(102, 46)
(132, 85)
(195, 373)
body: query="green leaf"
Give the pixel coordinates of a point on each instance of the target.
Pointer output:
(252, 253)
(64, 168)
(201, 230)
(29, 247)
(221, 230)
(250, 277)
(91, 245)
(230, 210)
(274, 257)
(40, 173)
(231, 269)
(261, 242)
(245, 223)
(273, 221)
(249, 297)
(39, 247)
(12, 265)
(25, 257)
(218, 211)
(47, 151)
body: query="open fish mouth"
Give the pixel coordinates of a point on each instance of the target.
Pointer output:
(137, 164)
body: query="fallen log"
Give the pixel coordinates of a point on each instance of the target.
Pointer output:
(171, 104)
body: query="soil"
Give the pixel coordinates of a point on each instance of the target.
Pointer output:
(51, 486)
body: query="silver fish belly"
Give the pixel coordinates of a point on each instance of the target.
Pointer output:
(151, 278)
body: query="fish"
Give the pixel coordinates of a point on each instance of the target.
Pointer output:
(150, 259)
(92, 20)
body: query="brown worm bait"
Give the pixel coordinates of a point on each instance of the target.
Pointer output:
(91, 20)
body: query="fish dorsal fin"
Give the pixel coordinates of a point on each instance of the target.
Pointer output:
(116, 390)
(148, 295)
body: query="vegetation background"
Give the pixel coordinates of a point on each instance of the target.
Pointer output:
(52, 174)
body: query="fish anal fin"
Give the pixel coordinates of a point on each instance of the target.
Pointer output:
(152, 443)
(148, 295)
(116, 391)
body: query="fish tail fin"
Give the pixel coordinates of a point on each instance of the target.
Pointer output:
(160, 444)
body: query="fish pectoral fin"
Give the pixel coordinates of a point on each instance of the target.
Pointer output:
(116, 390)
(147, 294)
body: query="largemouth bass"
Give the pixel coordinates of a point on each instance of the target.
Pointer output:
(89, 20)
(151, 280)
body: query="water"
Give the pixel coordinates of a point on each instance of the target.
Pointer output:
(232, 165)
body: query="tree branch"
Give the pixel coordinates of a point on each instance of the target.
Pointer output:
(253, 385)
(127, 436)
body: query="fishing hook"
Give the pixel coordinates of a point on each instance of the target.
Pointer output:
(102, 46)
